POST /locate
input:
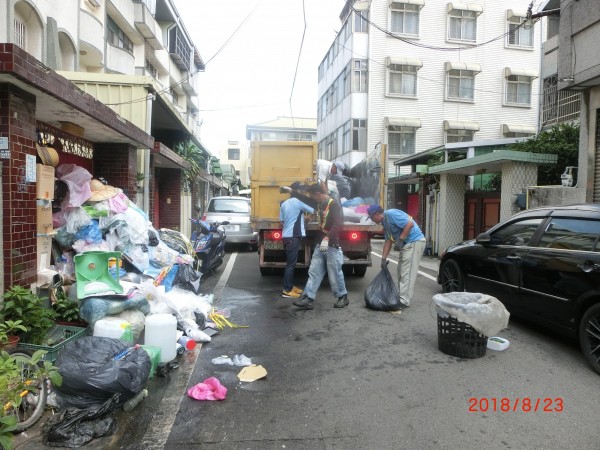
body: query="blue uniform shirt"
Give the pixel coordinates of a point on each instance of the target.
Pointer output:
(290, 212)
(394, 221)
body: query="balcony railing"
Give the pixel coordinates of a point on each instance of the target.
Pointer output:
(560, 106)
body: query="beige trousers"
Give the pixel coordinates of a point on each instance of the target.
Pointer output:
(408, 267)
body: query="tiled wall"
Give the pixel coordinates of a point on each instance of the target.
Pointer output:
(516, 176)
(117, 164)
(17, 122)
(452, 209)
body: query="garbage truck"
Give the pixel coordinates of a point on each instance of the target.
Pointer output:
(278, 163)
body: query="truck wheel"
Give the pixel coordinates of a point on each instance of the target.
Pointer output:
(348, 270)
(360, 271)
(589, 336)
(266, 271)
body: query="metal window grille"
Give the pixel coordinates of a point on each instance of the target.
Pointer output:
(20, 33)
(558, 106)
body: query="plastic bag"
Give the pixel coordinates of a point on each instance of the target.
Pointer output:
(210, 389)
(73, 427)
(483, 312)
(91, 375)
(92, 309)
(381, 294)
(188, 278)
(344, 184)
(78, 179)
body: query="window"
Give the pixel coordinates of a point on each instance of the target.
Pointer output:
(116, 36)
(572, 234)
(516, 233)
(460, 85)
(20, 34)
(233, 153)
(360, 22)
(346, 138)
(462, 23)
(519, 33)
(359, 134)
(401, 140)
(299, 137)
(228, 205)
(402, 76)
(268, 136)
(404, 18)
(518, 86)
(360, 75)
(459, 131)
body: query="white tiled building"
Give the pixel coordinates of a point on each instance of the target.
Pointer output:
(415, 74)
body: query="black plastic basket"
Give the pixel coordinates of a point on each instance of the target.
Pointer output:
(460, 339)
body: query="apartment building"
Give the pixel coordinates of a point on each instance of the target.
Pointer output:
(416, 74)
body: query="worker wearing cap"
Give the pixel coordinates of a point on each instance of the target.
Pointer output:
(292, 221)
(402, 231)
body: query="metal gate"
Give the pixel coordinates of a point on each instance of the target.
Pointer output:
(596, 194)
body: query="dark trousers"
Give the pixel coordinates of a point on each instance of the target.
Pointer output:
(291, 246)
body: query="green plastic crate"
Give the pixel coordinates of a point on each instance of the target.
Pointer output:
(61, 334)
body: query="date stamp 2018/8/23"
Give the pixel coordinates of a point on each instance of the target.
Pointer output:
(523, 404)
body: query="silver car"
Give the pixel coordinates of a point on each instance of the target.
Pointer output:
(236, 211)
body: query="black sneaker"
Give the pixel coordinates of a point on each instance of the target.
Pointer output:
(342, 301)
(304, 302)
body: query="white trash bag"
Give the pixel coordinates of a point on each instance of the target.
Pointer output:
(483, 312)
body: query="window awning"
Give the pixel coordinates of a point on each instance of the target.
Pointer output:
(420, 3)
(403, 61)
(514, 128)
(515, 13)
(465, 7)
(532, 73)
(402, 122)
(458, 65)
(460, 125)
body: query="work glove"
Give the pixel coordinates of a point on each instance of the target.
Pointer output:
(324, 245)
(384, 263)
(399, 245)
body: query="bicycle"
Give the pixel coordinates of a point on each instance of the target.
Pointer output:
(28, 406)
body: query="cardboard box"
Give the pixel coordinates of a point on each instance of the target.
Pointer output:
(44, 182)
(44, 219)
(44, 251)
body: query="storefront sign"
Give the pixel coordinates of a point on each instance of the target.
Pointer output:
(4, 151)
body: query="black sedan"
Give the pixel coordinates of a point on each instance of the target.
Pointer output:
(543, 264)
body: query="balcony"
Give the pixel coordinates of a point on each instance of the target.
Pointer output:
(559, 106)
(189, 83)
(119, 60)
(91, 40)
(179, 49)
(147, 25)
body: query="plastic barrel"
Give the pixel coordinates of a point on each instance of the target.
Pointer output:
(161, 331)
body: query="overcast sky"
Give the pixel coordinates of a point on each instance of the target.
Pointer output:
(250, 80)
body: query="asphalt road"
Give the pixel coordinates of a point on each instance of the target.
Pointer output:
(359, 379)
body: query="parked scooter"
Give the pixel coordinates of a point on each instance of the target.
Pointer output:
(209, 244)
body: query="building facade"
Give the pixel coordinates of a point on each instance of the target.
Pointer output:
(416, 74)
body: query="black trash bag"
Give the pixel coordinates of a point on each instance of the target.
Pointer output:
(91, 376)
(73, 427)
(187, 278)
(344, 185)
(382, 294)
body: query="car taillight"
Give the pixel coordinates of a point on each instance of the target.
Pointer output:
(273, 235)
(203, 218)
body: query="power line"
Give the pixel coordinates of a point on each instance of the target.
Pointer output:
(298, 61)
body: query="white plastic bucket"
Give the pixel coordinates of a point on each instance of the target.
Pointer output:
(161, 331)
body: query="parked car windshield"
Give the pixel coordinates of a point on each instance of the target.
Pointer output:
(229, 205)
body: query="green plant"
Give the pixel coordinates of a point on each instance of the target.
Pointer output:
(12, 386)
(22, 304)
(9, 328)
(67, 310)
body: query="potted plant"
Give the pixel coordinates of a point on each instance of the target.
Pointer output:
(22, 304)
(67, 311)
(9, 331)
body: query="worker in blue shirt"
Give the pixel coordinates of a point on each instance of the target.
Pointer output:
(291, 216)
(406, 236)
